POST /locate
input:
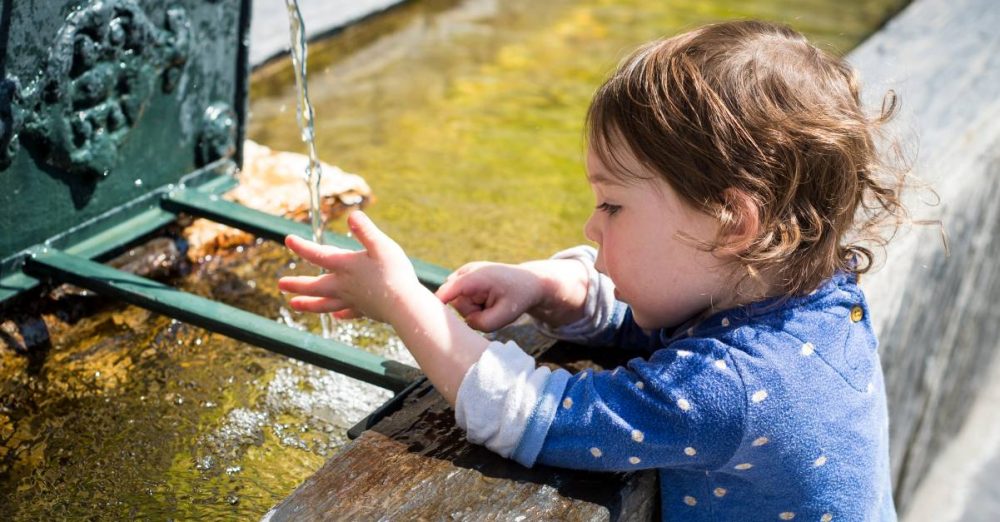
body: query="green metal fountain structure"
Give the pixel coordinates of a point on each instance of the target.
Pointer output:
(116, 116)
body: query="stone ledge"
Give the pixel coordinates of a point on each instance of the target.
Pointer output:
(415, 464)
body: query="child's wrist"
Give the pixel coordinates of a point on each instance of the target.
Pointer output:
(562, 289)
(402, 299)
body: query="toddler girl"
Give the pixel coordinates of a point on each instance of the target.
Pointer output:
(734, 172)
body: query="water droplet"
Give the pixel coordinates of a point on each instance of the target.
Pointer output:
(204, 463)
(138, 182)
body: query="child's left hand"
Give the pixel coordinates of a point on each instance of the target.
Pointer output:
(369, 282)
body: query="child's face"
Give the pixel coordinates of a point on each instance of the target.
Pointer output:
(665, 278)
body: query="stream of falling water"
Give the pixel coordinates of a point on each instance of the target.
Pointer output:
(307, 128)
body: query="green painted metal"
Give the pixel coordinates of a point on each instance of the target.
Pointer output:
(275, 228)
(115, 115)
(104, 101)
(115, 229)
(221, 318)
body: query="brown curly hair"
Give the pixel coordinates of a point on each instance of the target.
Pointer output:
(749, 114)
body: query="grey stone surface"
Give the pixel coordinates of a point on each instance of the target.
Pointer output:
(936, 313)
(269, 25)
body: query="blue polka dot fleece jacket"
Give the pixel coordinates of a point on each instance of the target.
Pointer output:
(771, 411)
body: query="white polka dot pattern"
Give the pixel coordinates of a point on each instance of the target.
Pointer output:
(719, 492)
(690, 452)
(787, 515)
(683, 404)
(720, 364)
(639, 385)
(758, 396)
(637, 436)
(691, 501)
(634, 460)
(820, 461)
(725, 321)
(743, 467)
(826, 517)
(759, 441)
(567, 403)
(807, 349)
(596, 452)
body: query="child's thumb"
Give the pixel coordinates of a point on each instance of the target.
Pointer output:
(366, 232)
(489, 319)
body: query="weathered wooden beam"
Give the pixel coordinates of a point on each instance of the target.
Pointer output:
(415, 464)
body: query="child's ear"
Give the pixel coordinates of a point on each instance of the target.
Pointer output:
(740, 223)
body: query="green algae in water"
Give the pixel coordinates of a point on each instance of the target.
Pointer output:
(467, 123)
(134, 415)
(466, 119)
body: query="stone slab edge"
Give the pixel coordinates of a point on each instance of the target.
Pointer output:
(269, 23)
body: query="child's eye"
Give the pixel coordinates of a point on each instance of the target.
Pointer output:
(609, 208)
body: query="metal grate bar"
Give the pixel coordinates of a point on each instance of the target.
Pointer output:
(221, 318)
(273, 227)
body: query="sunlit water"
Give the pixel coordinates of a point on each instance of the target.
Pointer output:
(466, 119)
(307, 128)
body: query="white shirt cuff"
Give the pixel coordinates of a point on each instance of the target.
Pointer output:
(497, 396)
(598, 307)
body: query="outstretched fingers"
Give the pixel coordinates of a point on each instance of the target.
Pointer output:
(326, 256)
(367, 233)
(304, 303)
(322, 285)
(348, 313)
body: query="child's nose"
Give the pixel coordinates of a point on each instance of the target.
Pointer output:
(590, 230)
(599, 262)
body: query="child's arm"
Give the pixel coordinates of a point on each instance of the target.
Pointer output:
(492, 295)
(684, 407)
(379, 282)
(566, 296)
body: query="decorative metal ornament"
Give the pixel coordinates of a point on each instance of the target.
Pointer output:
(105, 65)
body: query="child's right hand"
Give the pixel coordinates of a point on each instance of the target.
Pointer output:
(492, 295)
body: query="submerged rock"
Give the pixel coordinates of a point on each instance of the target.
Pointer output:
(274, 182)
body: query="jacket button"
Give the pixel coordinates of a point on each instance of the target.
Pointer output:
(857, 313)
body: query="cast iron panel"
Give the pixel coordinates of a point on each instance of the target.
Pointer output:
(104, 101)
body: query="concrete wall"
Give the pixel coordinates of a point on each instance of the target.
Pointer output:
(269, 31)
(937, 314)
